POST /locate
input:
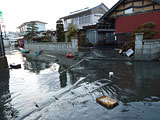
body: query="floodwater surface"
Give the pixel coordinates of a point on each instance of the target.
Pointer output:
(67, 89)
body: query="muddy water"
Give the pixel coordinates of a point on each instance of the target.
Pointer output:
(67, 89)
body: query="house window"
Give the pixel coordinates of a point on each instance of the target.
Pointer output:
(75, 21)
(128, 11)
(84, 20)
(87, 19)
(81, 20)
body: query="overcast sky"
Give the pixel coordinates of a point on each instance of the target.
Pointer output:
(16, 12)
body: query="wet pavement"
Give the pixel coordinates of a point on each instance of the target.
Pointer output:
(45, 89)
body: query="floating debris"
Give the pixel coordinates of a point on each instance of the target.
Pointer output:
(28, 51)
(107, 102)
(36, 105)
(69, 55)
(111, 74)
(55, 60)
(15, 66)
(129, 52)
(36, 53)
(55, 97)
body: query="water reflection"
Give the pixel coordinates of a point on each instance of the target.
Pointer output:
(130, 79)
(7, 111)
(69, 87)
(147, 76)
(63, 76)
(35, 66)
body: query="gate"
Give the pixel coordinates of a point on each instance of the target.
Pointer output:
(123, 38)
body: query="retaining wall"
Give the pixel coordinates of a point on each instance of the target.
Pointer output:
(56, 48)
(146, 49)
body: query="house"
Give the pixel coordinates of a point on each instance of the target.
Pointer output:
(23, 27)
(85, 18)
(100, 34)
(126, 15)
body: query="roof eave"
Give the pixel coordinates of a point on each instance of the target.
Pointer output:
(110, 10)
(65, 17)
(119, 2)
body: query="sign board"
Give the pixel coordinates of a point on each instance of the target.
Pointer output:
(1, 15)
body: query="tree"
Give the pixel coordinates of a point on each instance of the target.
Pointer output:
(60, 31)
(71, 32)
(31, 30)
(148, 30)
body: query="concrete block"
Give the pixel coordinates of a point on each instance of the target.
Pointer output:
(138, 52)
(146, 51)
(146, 46)
(154, 51)
(158, 45)
(138, 46)
(154, 56)
(153, 45)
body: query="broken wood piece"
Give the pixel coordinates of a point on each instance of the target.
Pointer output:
(107, 102)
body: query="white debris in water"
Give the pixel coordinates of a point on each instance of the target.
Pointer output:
(111, 74)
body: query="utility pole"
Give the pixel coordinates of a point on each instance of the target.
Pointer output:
(1, 43)
(4, 30)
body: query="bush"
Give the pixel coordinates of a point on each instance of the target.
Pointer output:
(42, 39)
(71, 32)
(146, 28)
(83, 41)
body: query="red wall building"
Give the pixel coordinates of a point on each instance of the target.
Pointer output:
(129, 23)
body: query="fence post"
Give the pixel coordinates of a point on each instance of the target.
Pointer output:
(74, 44)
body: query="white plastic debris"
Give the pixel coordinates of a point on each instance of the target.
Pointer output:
(111, 74)
(129, 52)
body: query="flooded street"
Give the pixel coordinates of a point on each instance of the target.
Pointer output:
(67, 89)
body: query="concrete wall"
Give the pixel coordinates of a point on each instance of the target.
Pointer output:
(2, 51)
(3, 63)
(55, 48)
(6, 43)
(146, 49)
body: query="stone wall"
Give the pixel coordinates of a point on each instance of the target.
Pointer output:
(56, 48)
(146, 49)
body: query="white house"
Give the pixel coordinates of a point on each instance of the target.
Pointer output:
(85, 17)
(40, 25)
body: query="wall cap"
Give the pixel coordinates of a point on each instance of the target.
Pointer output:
(139, 33)
(152, 40)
